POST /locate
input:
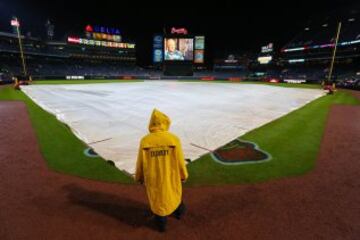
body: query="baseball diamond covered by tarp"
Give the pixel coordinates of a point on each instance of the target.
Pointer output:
(208, 115)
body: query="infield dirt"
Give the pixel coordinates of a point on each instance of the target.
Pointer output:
(37, 203)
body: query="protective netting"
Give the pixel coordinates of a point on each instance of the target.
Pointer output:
(206, 114)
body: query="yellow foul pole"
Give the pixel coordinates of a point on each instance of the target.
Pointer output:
(334, 53)
(21, 48)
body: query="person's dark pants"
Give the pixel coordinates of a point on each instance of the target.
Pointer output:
(161, 221)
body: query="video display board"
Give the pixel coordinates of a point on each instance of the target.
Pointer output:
(158, 49)
(178, 49)
(199, 56)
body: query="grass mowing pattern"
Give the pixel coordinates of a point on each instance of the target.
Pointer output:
(293, 141)
(59, 146)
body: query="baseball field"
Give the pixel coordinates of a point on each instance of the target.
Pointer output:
(288, 167)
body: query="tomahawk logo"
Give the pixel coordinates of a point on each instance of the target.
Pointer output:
(179, 31)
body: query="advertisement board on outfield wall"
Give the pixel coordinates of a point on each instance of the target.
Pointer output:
(295, 80)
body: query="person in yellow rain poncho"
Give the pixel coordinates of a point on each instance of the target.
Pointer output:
(161, 168)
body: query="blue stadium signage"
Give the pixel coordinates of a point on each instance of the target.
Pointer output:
(102, 29)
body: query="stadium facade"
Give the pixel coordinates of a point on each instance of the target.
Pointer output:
(100, 52)
(74, 56)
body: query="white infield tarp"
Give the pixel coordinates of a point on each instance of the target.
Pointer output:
(205, 114)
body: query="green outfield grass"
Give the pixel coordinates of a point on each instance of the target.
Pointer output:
(293, 141)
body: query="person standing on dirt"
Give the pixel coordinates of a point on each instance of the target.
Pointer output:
(161, 168)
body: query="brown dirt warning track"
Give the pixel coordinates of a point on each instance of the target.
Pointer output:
(36, 203)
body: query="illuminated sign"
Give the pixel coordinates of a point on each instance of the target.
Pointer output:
(293, 49)
(231, 61)
(89, 28)
(103, 36)
(268, 48)
(296, 60)
(73, 40)
(179, 31)
(199, 56)
(259, 74)
(264, 60)
(199, 42)
(101, 29)
(75, 77)
(158, 41)
(328, 45)
(15, 23)
(295, 80)
(158, 49)
(274, 80)
(157, 55)
(90, 42)
(102, 33)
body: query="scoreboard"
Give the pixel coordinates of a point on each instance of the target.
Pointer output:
(178, 47)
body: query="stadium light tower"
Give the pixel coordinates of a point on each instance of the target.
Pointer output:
(15, 23)
(334, 53)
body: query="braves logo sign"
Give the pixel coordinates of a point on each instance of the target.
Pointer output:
(179, 31)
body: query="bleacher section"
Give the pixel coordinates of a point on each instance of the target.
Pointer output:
(308, 56)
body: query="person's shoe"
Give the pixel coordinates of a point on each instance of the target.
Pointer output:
(180, 211)
(161, 223)
(162, 228)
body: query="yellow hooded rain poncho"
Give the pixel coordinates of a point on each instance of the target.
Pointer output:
(161, 166)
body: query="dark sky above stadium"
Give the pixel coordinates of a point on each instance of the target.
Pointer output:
(230, 26)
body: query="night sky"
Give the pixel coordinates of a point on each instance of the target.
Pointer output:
(229, 26)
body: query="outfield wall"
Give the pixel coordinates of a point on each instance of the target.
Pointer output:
(161, 77)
